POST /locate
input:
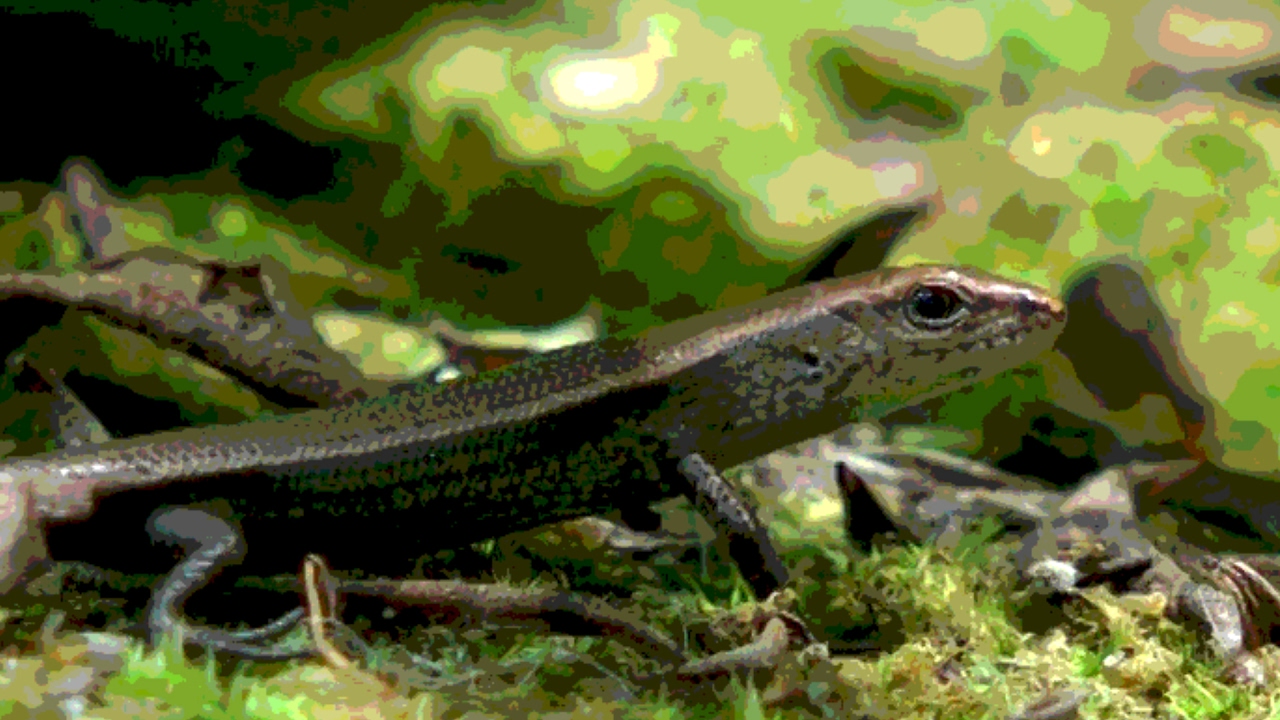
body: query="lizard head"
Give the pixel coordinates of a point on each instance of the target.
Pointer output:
(802, 360)
(910, 333)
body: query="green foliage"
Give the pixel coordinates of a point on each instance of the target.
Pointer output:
(947, 625)
(765, 138)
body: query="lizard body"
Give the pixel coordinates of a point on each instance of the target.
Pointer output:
(573, 432)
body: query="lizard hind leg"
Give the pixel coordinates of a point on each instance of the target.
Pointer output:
(211, 543)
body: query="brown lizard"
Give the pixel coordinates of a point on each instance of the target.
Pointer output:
(573, 432)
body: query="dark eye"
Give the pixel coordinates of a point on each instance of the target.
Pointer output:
(933, 306)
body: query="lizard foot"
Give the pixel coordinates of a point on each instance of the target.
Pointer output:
(1242, 577)
(1247, 580)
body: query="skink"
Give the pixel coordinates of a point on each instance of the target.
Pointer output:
(578, 431)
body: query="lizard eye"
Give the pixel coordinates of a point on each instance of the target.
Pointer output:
(933, 307)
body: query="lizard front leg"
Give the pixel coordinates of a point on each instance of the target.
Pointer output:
(735, 521)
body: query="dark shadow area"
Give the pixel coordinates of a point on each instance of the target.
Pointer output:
(1112, 307)
(1261, 83)
(870, 95)
(99, 95)
(864, 246)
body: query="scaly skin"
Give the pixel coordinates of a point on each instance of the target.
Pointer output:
(1249, 580)
(574, 432)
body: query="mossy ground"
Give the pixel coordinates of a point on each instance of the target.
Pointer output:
(916, 632)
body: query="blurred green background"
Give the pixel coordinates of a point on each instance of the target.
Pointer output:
(510, 165)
